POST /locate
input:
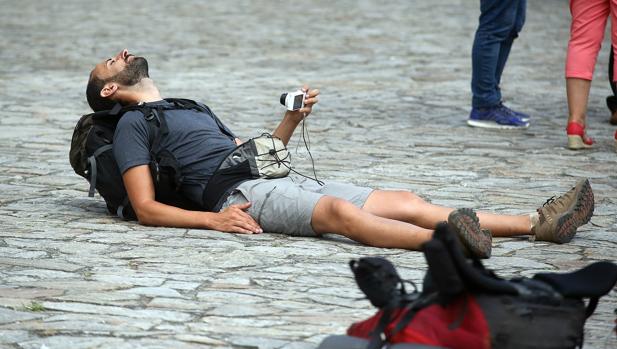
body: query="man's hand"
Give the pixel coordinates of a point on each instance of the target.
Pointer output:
(292, 118)
(140, 188)
(309, 101)
(234, 219)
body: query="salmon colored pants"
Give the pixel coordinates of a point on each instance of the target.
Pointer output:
(586, 34)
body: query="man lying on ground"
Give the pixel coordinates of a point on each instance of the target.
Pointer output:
(300, 207)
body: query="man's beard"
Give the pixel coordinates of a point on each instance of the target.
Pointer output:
(133, 72)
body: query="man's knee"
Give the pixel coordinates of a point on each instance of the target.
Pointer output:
(411, 204)
(411, 198)
(333, 215)
(407, 200)
(393, 204)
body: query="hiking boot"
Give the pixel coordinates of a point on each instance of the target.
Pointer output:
(559, 218)
(497, 117)
(476, 242)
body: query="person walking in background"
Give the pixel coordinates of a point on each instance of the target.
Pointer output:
(499, 24)
(586, 34)
(611, 101)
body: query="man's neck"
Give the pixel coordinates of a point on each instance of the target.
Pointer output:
(145, 91)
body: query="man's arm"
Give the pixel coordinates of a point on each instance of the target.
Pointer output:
(292, 118)
(140, 188)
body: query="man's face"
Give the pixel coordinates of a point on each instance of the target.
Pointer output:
(124, 69)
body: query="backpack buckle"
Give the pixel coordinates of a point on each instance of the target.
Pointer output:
(149, 116)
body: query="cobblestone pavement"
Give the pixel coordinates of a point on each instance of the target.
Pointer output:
(395, 94)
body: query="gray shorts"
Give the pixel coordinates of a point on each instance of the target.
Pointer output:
(285, 205)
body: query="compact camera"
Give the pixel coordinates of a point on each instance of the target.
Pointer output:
(293, 100)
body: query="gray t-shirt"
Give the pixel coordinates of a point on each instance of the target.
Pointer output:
(194, 138)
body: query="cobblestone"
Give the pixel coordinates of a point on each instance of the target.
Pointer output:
(394, 78)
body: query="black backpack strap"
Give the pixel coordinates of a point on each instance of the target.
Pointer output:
(592, 281)
(93, 171)
(93, 174)
(220, 124)
(413, 308)
(183, 103)
(116, 109)
(377, 336)
(591, 306)
(121, 207)
(161, 158)
(156, 117)
(165, 159)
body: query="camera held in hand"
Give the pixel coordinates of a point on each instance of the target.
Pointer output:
(293, 100)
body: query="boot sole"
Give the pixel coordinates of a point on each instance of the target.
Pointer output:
(566, 228)
(580, 215)
(583, 210)
(466, 224)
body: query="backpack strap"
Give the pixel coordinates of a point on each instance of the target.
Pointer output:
(413, 309)
(93, 172)
(161, 158)
(155, 116)
(122, 206)
(116, 109)
(157, 126)
(183, 103)
(591, 306)
(593, 282)
(220, 124)
(377, 336)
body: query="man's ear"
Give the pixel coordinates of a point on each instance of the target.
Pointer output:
(109, 89)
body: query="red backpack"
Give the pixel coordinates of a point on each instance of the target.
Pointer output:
(461, 324)
(466, 306)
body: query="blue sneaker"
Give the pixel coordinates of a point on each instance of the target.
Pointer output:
(495, 117)
(524, 117)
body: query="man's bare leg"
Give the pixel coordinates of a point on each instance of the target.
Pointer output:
(332, 215)
(408, 207)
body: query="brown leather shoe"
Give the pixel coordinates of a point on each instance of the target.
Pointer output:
(559, 218)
